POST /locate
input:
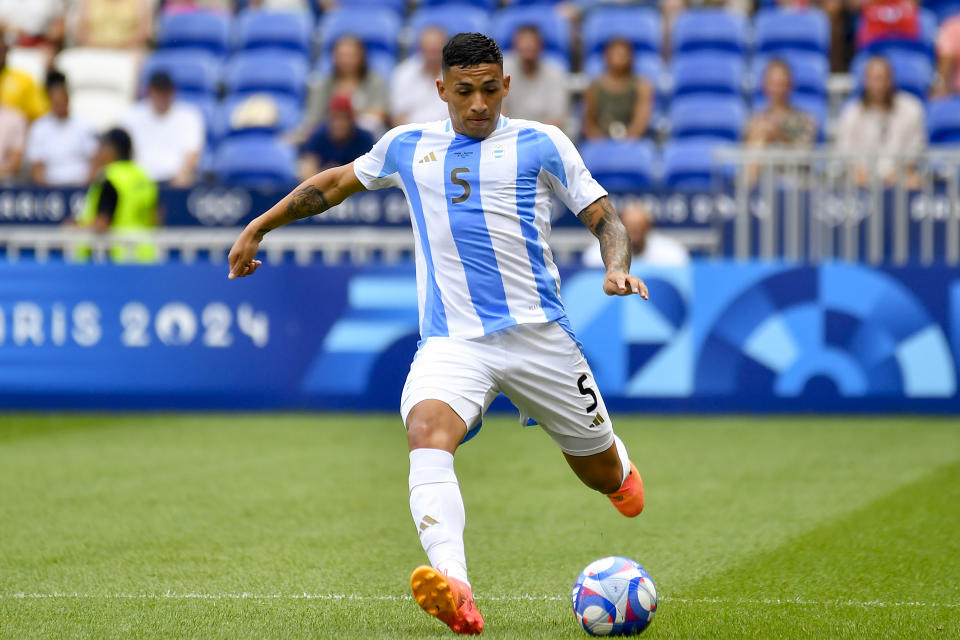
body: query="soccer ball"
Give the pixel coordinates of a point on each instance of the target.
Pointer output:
(614, 596)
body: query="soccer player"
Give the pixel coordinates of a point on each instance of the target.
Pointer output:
(478, 186)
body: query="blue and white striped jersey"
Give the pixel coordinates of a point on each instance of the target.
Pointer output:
(480, 211)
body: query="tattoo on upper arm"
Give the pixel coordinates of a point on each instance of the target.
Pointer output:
(602, 219)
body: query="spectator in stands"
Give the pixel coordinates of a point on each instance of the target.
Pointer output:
(339, 141)
(413, 90)
(538, 87)
(60, 146)
(114, 24)
(168, 135)
(948, 57)
(280, 5)
(35, 23)
(883, 124)
(349, 77)
(618, 104)
(648, 246)
(780, 123)
(18, 90)
(121, 198)
(842, 15)
(13, 138)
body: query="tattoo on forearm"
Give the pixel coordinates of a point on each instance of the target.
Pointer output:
(602, 219)
(305, 202)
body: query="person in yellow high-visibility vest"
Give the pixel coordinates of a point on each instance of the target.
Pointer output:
(121, 199)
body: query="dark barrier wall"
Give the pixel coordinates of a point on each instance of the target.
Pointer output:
(714, 336)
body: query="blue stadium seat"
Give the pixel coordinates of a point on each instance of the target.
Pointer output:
(270, 72)
(810, 72)
(943, 8)
(199, 30)
(554, 28)
(397, 6)
(699, 116)
(193, 72)
(453, 18)
(486, 5)
(285, 30)
(780, 30)
(621, 166)
(713, 73)
(255, 161)
(638, 25)
(377, 28)
(289, 116)
(709, 30)
(912, 71)
(943, 121)
(688, 165)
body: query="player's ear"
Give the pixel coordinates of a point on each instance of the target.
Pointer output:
(506, 85)
(441, 89)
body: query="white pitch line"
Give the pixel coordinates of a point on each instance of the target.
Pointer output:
(521, 597)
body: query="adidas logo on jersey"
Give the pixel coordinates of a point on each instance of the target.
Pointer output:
(430, 157)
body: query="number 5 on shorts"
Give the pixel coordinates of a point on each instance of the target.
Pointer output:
(587, 391)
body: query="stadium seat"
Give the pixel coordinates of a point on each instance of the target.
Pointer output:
(397, 6)
(638, 25)
(688, 165)
(197, 30)
(698, 116)
(31, 60)
(621, 166)
(486, 5)
(255, 161)
(104, 70)
(712, 73)
(192, 72)
(284, 30)
(943, 121)
(266, 72)
(289, 115)
(810, 72)
(453, 18)
(377, 28)
(103, 109)
(943, 8)
(780, 30)
(912, 71)
(554, 28)
(709, 30)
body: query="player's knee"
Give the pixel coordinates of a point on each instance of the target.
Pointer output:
(434, 425)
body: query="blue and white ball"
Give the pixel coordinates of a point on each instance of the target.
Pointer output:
(614, 596)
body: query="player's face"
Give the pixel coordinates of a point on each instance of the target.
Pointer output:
(474, 96)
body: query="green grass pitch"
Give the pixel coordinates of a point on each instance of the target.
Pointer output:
(297, 526)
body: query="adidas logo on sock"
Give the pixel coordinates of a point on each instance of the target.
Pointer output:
(427, 522)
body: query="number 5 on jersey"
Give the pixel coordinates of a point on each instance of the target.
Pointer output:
(460, 182)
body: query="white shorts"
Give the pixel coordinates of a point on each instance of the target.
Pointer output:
(538, 366)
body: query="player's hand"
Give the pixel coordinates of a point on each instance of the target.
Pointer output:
(618, 283)
(243, 255)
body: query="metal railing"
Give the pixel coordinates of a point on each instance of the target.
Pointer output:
(821, 205)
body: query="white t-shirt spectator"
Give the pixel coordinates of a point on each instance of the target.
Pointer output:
(541, 96)
(64, 147)
(413, 94)
(32, 17)
(660, 251)
(162, 142)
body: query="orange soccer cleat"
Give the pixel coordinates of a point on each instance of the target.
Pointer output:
(628, 499)
(446, 598)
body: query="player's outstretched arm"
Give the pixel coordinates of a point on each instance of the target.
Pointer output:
(314, 195)
(602, 219)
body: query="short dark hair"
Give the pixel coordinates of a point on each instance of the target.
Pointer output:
(120, 141)
(161, 81)
(55, 79)
(470, 50)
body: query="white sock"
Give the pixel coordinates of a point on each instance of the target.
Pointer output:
(437, 509)
(624, 458)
